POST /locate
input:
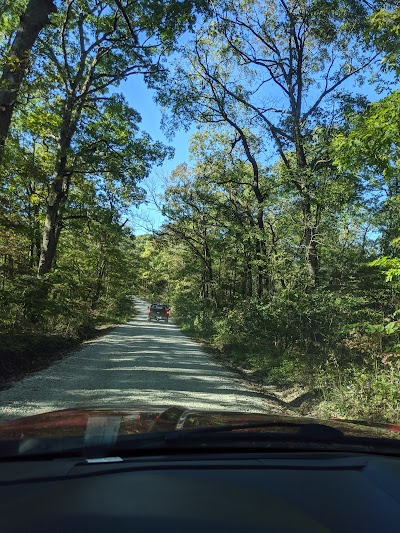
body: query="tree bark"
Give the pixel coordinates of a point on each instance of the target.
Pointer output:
(35, 18)
(34, 247)
(261, 253)
(52, 223)
(60, 185)
(310, 229)
(58, 192)
(99, 282)
(207, 291)
(310, 244)
(49, 236)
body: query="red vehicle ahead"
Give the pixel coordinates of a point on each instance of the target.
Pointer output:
(158, 312)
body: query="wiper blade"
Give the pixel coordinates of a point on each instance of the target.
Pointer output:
(163, 440)
(231, 436)
(227, 435)
(310, 430)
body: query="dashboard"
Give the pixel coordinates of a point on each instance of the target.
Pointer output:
(224, 492)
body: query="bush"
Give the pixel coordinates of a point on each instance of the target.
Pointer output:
(291, 335)
(323, 340)
(193, 315)
(368, 392)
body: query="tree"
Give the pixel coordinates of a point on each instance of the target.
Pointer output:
(91, 46)
(371, 148)
(383, 33)
(91, 50)
(244, 188)
(74, 160)
(16, 61)
(186, 208)
(258, 67)
(368, 143)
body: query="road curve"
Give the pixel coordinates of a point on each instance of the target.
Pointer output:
(140, 363)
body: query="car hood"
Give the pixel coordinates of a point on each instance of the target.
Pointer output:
(111, 423)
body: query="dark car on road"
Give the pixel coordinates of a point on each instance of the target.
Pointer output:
(158, 312)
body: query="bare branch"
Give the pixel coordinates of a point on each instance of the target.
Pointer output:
(63, 35)
(57, 64)
(335, 86)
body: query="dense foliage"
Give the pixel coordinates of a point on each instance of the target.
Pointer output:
(74, 156)
(283, 232)
(280, 237)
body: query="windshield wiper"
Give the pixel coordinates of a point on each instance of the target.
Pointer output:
(227, 435)
(305, 430)
(307, 435)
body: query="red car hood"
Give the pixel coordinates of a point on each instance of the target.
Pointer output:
(110, 423)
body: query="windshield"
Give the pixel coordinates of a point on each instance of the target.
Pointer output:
(199, 210)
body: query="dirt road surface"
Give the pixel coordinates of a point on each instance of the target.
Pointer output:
(140, 363)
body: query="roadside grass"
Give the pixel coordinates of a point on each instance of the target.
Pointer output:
(358, 385)
(288, 376)
(370, 391)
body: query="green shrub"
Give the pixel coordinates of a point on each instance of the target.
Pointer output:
(368, 392)
(193, 315)
(293, 333)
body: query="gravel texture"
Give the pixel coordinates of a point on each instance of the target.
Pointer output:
(151, 364)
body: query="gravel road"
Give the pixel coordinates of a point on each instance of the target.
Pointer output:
(151, 364)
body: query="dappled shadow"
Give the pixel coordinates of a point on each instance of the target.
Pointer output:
(306, 398)
(136, 363)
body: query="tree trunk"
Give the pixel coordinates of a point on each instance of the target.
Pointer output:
(34, 246)
(99, 282)
(52, 223)
(208, 278)
(249, 280)
(50, 236)
(312, 259)
(52, 226)
(260, 277)
(32, 22)
(233, 292)
(207, 291)
(310, 244)
(59, 188)
(261, 255)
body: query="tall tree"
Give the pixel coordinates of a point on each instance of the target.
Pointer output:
(231, 161)
(186, 207)
(16, 61)
(94, 45)
(273, 67)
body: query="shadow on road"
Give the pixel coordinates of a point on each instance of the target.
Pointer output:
(137, 363)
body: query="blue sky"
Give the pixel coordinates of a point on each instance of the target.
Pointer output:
(142, 99)
(148, 216)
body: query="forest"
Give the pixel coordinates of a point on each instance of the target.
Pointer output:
(279, 246)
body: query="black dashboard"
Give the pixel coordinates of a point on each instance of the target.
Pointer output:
(203, 493)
